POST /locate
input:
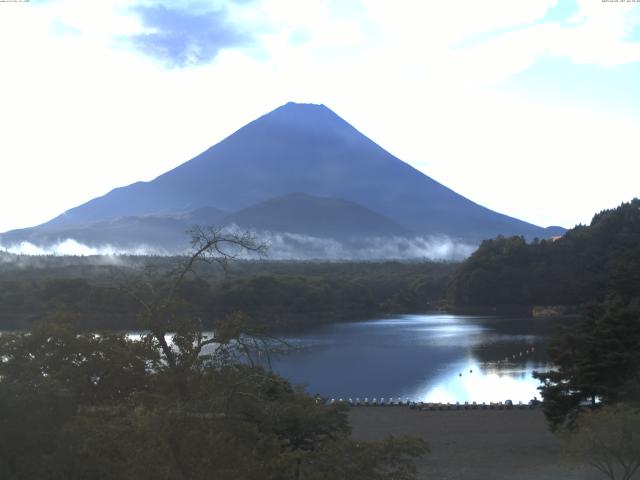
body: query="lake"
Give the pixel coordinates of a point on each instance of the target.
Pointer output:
(429, 358)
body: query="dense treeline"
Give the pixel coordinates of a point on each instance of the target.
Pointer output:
(592, 395)
(274, 293)
(597, 361)
(174, 404)
(582, 266)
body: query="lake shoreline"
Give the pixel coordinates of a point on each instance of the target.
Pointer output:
(435, 358)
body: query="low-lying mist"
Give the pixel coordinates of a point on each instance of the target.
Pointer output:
(291, 246)
(281, 246)
(71, 247)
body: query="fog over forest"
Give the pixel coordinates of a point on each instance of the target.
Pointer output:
(285, 246)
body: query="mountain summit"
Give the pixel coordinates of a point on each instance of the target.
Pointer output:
(303, 148)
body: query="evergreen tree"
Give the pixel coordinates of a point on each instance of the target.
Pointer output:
(598, 360)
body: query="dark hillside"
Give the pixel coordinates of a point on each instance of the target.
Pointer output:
(584, 265)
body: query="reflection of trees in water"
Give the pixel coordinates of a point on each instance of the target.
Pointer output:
(516, 352)
(525, 341)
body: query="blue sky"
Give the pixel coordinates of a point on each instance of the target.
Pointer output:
(530, 108)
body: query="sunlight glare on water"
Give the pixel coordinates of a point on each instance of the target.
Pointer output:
(431, 358)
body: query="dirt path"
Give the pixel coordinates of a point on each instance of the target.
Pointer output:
(475, 444)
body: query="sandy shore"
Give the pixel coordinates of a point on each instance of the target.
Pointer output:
(475, 444)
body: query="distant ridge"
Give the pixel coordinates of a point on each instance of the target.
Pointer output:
(315, 216)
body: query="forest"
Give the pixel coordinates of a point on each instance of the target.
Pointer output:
(584, 265)
(80, 404)
(591, 395)
(276, 294)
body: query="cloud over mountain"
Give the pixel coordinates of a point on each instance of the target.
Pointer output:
(354, 200)
(185, 36)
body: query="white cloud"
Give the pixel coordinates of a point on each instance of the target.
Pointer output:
(81, 114)
(448, 23)
(598, 34)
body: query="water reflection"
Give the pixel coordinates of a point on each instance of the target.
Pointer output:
(431, 358)
(480, 383)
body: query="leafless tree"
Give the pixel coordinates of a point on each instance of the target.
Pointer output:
(163, 313)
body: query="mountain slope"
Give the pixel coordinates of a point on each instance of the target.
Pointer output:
(315, 216)
(304, 148)
(163, 233)
(295, 213)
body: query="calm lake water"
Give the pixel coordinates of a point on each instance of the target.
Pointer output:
(430, 358)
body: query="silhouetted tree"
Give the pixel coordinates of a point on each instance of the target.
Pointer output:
(174, 404)
(598, 359)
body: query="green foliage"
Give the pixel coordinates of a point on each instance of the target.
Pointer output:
(174, 404)
(278, 298)
(609, 440)
(31, 415)
(584, 265)
(276, 293)
(597, 359)
(76, 406)
(91, 367)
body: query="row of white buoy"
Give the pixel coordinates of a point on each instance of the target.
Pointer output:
(507, 359)
(373, 402)
(520, 354)
(436, 406)
(506, 405)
